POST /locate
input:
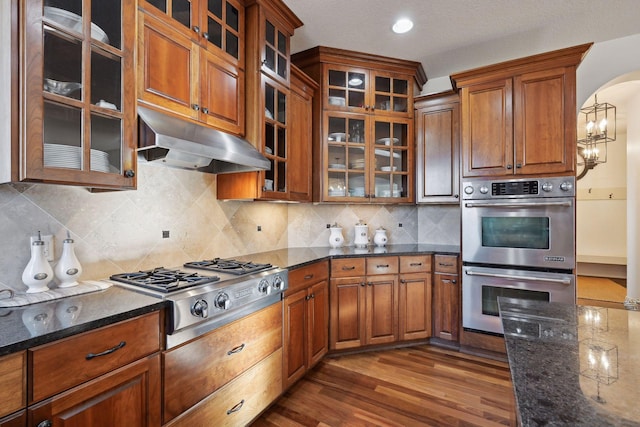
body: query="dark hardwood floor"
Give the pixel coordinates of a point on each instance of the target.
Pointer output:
(413, 386)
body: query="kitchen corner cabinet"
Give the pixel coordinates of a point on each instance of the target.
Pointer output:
(363, 134)
(437, 120)
(191, 60)
(446, 298)
(77, 92)
(271, 123)
(108, 376)
(519, 117)
(306, 320)
(415, 294)
(364, 302)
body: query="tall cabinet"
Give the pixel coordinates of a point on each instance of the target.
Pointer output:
(270, 123)
(363, 125)
(519, 117)
(76, 93)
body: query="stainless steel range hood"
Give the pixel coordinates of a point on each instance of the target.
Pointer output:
(180, 143)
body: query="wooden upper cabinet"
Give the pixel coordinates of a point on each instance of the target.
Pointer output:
(438, 149)
(363, 141)
(191, 60)
(77, 114)
(519, 117)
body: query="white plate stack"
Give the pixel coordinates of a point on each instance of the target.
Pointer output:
(99, 161)
(70, 157)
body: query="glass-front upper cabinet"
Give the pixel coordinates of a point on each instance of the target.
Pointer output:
(275, 137)
(361, 90)
(78, 125)
(275, 53)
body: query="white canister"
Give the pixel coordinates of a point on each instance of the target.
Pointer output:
(38, 273)
(336, 239)
(380, 238)
(361, 237)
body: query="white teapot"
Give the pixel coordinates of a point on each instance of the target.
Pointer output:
(380, 238)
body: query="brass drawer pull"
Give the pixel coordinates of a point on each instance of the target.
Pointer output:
(104, 353)
(236, 408)
(235, 350)
(347, 268)
(308, 276)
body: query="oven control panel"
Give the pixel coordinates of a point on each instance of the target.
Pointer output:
(484, 189)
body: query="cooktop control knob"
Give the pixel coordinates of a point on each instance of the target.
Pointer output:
(484, 189)
(222, 301)
(278, 283)
(264, 287)
(468, 189)
(547, 186)
(200, 308)
(566, 186)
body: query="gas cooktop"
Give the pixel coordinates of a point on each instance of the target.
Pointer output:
(164, 280)
(230, 266)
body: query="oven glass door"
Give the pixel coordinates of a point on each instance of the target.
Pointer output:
(523, 232)
(482, 286)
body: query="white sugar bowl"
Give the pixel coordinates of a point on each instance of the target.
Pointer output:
(380, 237)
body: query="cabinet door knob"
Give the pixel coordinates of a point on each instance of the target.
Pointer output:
(205, 110)
(196, 107)
(206, 36)
(518, 165)
(363, 284)
(129, 173)
(196, 29)
(509, 167)
(45, 423)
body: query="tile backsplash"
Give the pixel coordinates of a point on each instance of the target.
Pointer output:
(122, 231)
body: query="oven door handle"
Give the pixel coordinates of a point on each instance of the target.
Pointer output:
(508, 276)
(566, 204)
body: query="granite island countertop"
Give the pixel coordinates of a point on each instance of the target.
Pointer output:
(573, 365)
(28, 326)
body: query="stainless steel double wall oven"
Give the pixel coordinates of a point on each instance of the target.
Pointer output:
(518, 241)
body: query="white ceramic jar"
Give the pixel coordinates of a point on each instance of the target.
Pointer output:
(380, 238)
(38, 273)
(336, 239)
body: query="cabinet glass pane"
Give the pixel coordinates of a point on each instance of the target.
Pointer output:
(106, 22)
(269, 102)
(233, 17)
(337, 157)
(181, 12)
(270, 58)
(383, 102)
(71, 6)
(282, 66)
(106, 144)
(337, 78)
(356, 184)
(383, 84)
(282, 108)
(356, 80)
(214, 32)
(269, 175)
(269, 138)
(62, 65)
(62, 136)
(400, 133)
(160, 4)
(337, 184)
(400, 86)
(232, 45)
(356, 130)
(106, 78)
(270, 33)
(215, 7)
(282, 143)
(282, 177)
(282, 43)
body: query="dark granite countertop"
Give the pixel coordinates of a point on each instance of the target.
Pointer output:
(573, 365)
(32, 325)
(29, 326)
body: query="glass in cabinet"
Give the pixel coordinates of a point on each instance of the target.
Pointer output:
(275, 56)
(275, 136)
(79, 120)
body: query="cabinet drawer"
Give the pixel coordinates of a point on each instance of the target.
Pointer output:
(382, 265)
(446, 264)
(12, 383)
(303, 277)
(66, 363)
(415, 264)
(347, 267)
(218, 357)
(240, 401)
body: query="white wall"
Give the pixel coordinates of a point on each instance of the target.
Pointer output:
(633, 189)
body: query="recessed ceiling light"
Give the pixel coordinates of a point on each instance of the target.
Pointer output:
(402, 26)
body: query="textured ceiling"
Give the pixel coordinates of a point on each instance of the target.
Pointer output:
(456, 35)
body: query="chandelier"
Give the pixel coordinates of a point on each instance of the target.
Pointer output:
(598, 130)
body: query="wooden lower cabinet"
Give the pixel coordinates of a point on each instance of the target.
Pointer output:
(364, 307)
(13, 395)
(128, 396)
(306, 320)
(194, 371)
(19, 419)
(241, 400)
(446, 298)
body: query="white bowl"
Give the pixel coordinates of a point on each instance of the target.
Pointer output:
(337, 100)
(73, 22)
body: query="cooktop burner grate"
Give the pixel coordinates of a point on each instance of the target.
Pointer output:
(228, 266)
(164, 280)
